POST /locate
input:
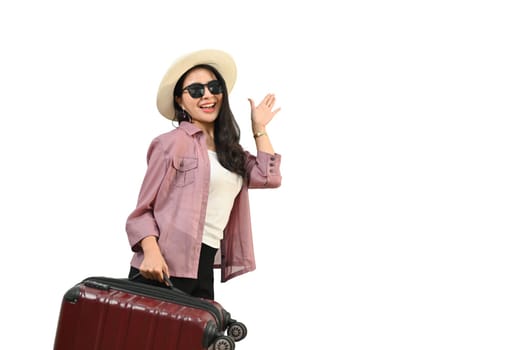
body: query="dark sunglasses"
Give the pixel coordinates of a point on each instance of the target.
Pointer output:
(196, 90)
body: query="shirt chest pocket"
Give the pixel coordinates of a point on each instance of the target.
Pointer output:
(185, 170)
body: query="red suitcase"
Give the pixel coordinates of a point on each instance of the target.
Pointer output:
(102, 313)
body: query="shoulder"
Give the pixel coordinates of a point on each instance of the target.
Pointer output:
(164, 141)
(168, 136)
(172, 137)
(184, 131)
(176, 142)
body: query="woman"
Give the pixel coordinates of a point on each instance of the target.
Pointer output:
(193, 212)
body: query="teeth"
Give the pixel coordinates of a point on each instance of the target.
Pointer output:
(208, 106)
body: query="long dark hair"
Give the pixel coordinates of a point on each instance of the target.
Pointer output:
(226, 130)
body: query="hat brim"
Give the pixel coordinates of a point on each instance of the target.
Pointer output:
(218, 59)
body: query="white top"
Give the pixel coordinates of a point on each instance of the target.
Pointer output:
(224, 187)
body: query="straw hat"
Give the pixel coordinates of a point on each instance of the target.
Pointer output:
(218, 59)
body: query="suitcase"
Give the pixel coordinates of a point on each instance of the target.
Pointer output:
(103, 313)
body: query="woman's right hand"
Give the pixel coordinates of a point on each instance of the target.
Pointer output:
(153, 266)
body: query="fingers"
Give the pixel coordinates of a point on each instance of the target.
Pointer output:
(264, 112)
(152, 274)
(270, 100)
(156, 274)
(267, 102)
(154, 266)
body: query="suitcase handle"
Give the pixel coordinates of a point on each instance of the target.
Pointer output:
(166, 280)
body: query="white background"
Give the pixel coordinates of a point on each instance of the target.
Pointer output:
(400, 220)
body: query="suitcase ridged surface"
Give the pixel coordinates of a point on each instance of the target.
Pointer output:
(96, 319)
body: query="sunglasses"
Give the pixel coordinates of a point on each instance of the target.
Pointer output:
(196, 90)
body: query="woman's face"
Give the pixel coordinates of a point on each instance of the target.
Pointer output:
(204, 107)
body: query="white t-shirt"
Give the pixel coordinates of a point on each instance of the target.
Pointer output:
(224, 187)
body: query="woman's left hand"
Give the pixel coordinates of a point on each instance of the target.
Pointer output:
(264, 112)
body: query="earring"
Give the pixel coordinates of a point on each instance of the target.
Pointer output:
(186, 115)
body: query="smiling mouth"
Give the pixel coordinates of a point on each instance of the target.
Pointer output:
(211, 105)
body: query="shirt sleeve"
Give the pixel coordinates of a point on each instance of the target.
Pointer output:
(264, 170)
(141, 222)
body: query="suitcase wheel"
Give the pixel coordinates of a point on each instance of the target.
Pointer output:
(223, 342)
(237, 330)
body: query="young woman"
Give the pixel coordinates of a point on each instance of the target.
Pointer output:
(193, 212)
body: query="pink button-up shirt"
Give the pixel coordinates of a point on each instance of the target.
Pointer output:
(172, 204)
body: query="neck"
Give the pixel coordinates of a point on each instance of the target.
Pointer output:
(207, 129)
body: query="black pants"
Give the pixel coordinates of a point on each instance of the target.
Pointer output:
(201, 287)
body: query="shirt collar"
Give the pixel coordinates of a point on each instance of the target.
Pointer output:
(189, 128)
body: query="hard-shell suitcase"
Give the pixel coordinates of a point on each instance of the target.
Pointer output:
(103, 313)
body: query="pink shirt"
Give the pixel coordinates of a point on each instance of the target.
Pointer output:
(172, 204)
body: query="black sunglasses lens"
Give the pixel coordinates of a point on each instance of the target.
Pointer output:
(196, 90)
(215, 87)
